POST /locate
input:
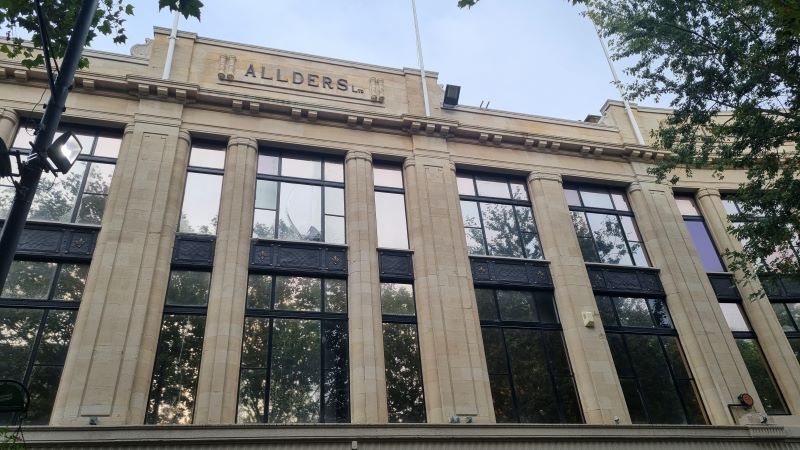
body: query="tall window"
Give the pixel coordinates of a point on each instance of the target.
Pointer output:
(390, 207)
(294, 366)
(299, 198)
(754, 359)
(38, 305)
(180, 347)
(529, 372)
(746, 340)
(656, 381)
(498, 219)
(789, 317)
(200, 209)
(739, 217)
(78, 196)
(605, 226)
(404, 391)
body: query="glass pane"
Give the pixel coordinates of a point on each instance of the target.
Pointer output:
(794, 310)
(581, 225)
(107, 146)
(252, 395)
(559, 363)
(334, 230)
(633, 312)
(29, 279)
(686, 206)
(91, 209)
(656, 385)
(783, 317)
(525, 219)
(200, 203)
(301, 168)
(518, 191)
(499, 224)
(568, 396)
(596, 198)
(619, 353)
(661, 316)
(502, 398)
(489, 188)
(298, 293)
(99, 179)
(573, 199)
(55, 338)
(334, 201)
(734, 317)
(6, 199)
(388, 176)
(264, 224)
(495, 350)
(255, 341)
(300, 212)
(634, 401)
(629, 228)
(18, 328)
(23, 139)
(620, 202)
(639, 254)
(177, 366)
(795, 343)
(533, 250)
(469, 213)
(704, 246)
(675, 357)
(403, 373)
(336, 372)
(516, 306)
(390, 212)
(546, 307)
(397, 298)
(188, 288)
(336, 296)
(55, 199)
(761, 376)
(207, 157)
(609, 238)
(267, 164)
(294, 390)
(486, 307)
(691, 399)
(606, 308)
(535, 394)
(730, 206)
(71, 281)
(334, 171)
(42, 386)
(465, 185)
(259, 291)
(266, 194)
(475, 244)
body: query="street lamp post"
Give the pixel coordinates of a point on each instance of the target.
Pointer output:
(31, 171)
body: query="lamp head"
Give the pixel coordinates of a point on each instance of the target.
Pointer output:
(451, 93)
(63, 152)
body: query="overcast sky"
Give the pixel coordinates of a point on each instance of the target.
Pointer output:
(531, 56)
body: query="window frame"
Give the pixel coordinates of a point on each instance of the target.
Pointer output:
(479, 200)
(321, 182)
(700, 219)
(392, 190)
(204, 144)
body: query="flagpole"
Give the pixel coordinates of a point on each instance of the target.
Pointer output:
(421, 63)
(173, 36)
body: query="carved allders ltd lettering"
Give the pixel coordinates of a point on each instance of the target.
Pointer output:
(281, 76)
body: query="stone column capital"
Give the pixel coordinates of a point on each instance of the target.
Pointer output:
(706, 192)
(183, 135)
(10, 115)
(358, 154)
(242, 140)
(409, 162)
(545, 176)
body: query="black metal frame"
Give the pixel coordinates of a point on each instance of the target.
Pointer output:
(393, 190)
(658, 333)
(271, 314)
(205, 171)
(50, 304)
(280, 179)
(612, 212)
(478, 199)
(502, 325)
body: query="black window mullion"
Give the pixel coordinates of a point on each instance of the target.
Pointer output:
(559, 404)
(517, 229)
(674, 377)
(74, 215)
(269, 369)
(322, 344)
(324, 214)
(35, 348)
(512, 385)
(54, 282)
(594, 241)
(483, 230)
(636, 378)
(627, 243)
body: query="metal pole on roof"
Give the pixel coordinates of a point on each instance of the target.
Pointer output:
(421, 64)
(631, 118)
(173, 36)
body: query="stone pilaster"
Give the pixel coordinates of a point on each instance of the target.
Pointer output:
(109, 364)
(454, 370)
(595, 376)
(711, 352)
(8, 125)
(777, 350)
(367, 371)
(217, 386)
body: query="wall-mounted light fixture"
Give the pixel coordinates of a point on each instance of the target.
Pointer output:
(451, 93)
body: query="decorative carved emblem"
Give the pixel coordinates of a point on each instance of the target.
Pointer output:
(79, 243)
(227, 67)
(376, 90)
(336, 260)
(483, 269)
(261, 256)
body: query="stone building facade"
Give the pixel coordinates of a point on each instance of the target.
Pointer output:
(278, 249)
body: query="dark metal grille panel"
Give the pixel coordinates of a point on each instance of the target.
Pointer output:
(624, 280)
(57, 241)
(298, 257)
(194, 250)
(396, 265)
(487, 271)
(724, 286)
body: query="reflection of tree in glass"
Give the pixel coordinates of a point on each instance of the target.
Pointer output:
(403, 373)
(762, 378)
(253, 376)
(608, 238)
(298, 293)
(535, 395)
(186, 227)
(294, 391)
(172, 393)
(499, 223)
(55, 201)
(188, 287)
(29, 279)
(71, 281)
(18, 328)
(336, 376)
(397, 299)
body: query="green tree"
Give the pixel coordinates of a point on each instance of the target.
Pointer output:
(19, 18)
(731, 68)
